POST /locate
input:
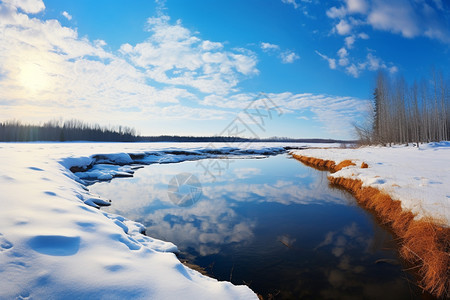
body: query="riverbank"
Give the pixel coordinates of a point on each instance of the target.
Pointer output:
(408, 189)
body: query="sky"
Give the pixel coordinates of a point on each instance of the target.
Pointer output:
(253, 68)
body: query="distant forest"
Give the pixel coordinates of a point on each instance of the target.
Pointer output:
(72, 130)
(75, 130)
(402, 114)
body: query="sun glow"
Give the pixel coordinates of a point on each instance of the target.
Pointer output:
(33, 77)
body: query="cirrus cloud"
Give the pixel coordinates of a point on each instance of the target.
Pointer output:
(335, 114)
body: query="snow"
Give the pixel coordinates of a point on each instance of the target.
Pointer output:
(104, 167)
(56, 244)
(419, 178)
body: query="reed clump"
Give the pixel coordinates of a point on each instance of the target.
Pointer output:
(343, 164)
(316, 162)
(428, 246)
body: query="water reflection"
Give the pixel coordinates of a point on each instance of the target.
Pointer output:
(270, 223)
(204, 227)
(213, 220)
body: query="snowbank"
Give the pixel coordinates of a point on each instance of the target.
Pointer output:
(54, 246)
(104, 167)
(419, 178)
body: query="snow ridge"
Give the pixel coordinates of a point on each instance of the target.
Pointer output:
(104, 167)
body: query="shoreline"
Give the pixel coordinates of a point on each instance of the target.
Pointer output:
(423, 243)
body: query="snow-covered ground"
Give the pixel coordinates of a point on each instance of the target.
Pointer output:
(419, 178)
(54, 243)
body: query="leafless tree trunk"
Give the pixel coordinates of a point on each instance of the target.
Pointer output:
(417, 114)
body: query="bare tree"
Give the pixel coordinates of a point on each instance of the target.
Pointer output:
(403, 114)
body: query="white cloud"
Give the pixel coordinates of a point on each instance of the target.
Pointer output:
(371, 63)
(42, 60)
(269, 47)
(243, 173)
(363, 36)
(438, 34)
(343, 57)
(48, 69)
(343, 27)
(303, 8)
(357, 6)
(349, 41)
(407, 18)
(289, 57)
(174, 55)
(293, 2)
(342, 52)
(212, 220)
(238, 101)
(208, 45)
(351, 7)
(331, 61)
(335, 114)
(67, 15)
(286, 56)
(395, 16)
(353, 67)
(28, 6)
(374, 63)
(99, 43)
(393, 70)
(353, 70)
(183, 113)
(335, 12)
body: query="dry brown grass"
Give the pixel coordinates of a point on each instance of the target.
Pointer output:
(424, 244)
(343, 164)
(428, 246)
(316, 163)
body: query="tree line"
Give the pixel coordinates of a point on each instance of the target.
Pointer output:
(402, 113)
(75, 130)
(71, 130)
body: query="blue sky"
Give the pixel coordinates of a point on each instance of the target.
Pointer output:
(192, 67)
